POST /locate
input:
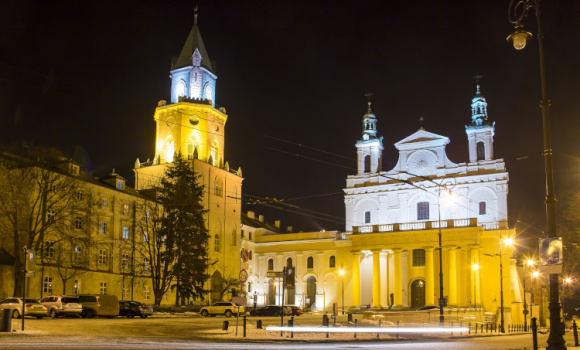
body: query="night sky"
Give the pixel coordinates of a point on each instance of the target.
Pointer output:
(85, 77)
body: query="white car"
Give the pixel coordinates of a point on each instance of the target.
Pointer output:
(226, 308)
(62, 305)
(31, 307)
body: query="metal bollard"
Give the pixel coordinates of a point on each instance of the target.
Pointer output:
(349, 317)
(575, 327)
(398, 327)
(355, 321)
(225, 326)
(534, 333)
(291, 324)
(244, 326)
(378, 334)
(325, 320)
(469, 328)
(6, 325)
(259, 324)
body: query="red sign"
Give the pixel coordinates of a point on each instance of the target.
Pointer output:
(245, 255)
(243, 276)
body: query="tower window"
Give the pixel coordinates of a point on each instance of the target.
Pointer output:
(216, 243)
(270, 264)
(423, 211)
(480, 151)
(418, 257)
(482, 208)
(218, 187)
(367, 217)
(180, 89)
(367, 164)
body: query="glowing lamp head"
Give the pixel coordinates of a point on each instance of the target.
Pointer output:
(568, 280)
(535, 274)
(475, 267)
(519, 37)
(341, 272)
(509, 241)
(530, 262)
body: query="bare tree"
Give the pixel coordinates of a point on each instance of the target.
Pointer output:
(39, 202)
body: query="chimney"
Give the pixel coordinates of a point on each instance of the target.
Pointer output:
(289, 229)
(277, 223)
(251, 214)
(261, 218)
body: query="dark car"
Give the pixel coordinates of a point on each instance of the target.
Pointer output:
(134, 308)
(270, 310)
(295, 310)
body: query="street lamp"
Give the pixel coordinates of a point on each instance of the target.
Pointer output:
(529, 263)
(565, 281)
(474, 267)
(341, 273)
(509, 242)
(534, 274)
(517, 11)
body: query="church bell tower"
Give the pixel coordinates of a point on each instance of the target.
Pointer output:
(480, 131)
(369, 148)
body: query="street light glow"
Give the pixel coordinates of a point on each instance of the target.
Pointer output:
(475, 266)
(341, 272)
(509, 241)
(535, 274)
(530, 262)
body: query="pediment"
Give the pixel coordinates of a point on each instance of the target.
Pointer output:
(422, 139)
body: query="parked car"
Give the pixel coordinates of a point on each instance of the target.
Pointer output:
(271, 310)
(62, 305)
(295, 310)
(134, 308)
(31, 307)
(226, 308)
(99, 305)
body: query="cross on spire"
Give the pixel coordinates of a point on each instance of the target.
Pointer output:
(369, 95)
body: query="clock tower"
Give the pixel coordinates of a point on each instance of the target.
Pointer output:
(192, 125)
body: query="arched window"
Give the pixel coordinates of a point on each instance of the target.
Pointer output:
(482, 208)
(214, 153)
(270, 264)
(310, 263)
(169, 149)
(180, 89)
(218, 187)
(480, 151)
(367, 217)
(207, 92)
(289, 263)
(423, 211)
(332, 262)
(216, 243)
(367, 164)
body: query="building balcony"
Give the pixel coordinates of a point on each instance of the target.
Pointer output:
(426, 225)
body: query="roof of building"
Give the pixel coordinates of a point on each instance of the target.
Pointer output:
(256, 223)
(194, 41)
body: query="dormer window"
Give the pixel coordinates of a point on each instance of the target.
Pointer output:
(73, 169)
(120, 184)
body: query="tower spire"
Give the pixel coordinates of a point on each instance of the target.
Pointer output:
(369, 121)
(478, 106)
(369, 95)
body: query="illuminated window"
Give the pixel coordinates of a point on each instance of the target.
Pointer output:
(332, 262)
(103, 228)
(145, 236)
(216, 243)
(120, 184)
(77, 287)
(180, 89)
(78, 222)
(482, 208)
(310, 263)
(126, 292)
(367, 217)
(207, 91)
(270, 264)
(124, 262)
(480, 151)
(47, 285)
(423, 211)
(125, 232)
(73, 169)
(104, 202)
(103, 288)
(78, 254)
(418, 257)
(126, 208)
(146, 293)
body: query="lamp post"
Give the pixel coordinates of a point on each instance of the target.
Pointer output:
(517, 11)
(534, 274)
(341, 273)
(529, 263)
(474, 267)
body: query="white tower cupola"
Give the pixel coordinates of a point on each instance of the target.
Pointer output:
(480, 131)
(369, 148)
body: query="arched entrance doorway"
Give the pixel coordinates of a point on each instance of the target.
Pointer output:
(216, 285)
(310, 292)
(417, 293)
